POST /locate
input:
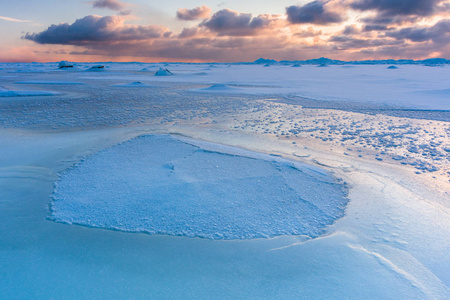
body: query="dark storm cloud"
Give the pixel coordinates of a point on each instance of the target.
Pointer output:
(198, 13)
(312, 13)
(397, 7)
(439, 33)
(228, 22)
(95, 29)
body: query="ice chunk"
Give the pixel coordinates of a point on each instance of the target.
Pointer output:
(163, 72)
(161, 185)
(65, 64)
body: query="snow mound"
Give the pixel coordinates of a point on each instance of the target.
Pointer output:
(392, 67)
(163, 72)
(133, 84)
(158, 184)
(220, 88)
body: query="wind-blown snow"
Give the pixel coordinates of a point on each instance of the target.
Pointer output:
(161, 185)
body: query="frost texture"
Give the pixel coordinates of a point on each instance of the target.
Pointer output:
(160, 185)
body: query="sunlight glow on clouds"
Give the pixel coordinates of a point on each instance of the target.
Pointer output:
(198, 13)
(13, 20)
(342, 29)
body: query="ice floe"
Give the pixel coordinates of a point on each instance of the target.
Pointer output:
(160, 185)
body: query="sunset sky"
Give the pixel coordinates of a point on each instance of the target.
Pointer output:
(228, 31)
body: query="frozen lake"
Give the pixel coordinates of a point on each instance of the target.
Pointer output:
(337, 180)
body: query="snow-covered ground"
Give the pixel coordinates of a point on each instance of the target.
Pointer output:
(87, 147)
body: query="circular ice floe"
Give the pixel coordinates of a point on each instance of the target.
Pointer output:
(158, 184)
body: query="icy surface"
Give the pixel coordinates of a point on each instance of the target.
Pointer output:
(384, 132)
(10, 93)
(160, 185)
(50, 82)
(133, 84)
(220, 88)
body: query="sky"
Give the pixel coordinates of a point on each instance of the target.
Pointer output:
(222, 31)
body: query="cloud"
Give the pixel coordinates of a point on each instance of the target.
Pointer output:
(351, 30)
(198, 13)
(111, 4)
(96, 29)
(438, 33)
(13, 20)
(313, 12)
(389, 8)
(228, 22)
(309, 32)
(375, 27)
(233, 36)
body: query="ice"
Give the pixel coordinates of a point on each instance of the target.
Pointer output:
(49, 82)
(163, 72)
(160, 185)
(64, 64)
(134, 84)
(384, 133)
(220, 88)
(10, 93)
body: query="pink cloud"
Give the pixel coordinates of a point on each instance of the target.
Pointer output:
(198, 13)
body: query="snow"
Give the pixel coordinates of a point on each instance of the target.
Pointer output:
(385, 133)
